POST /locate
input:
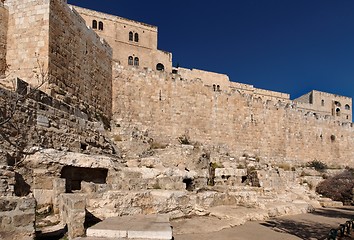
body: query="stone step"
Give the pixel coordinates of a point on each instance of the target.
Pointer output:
(142, 227)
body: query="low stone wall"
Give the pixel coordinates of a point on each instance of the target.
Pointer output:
(7, 181)
(72, 210)
(17, 217)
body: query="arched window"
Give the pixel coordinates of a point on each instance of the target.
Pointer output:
(130, 36)
(136, 37)
(130, 60)
(347, 107)
(337, 104)
(94, 24)
(136, 61)
(160, 67)
(100, 26)
(322, 102)
(338, 111)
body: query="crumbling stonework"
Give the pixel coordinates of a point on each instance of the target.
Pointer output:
(44, 122)
(17, 217)
(17, 214)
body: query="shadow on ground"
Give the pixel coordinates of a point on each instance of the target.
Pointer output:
(303, 230)
(309, 230)
(334, 213)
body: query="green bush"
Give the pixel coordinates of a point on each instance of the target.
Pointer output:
(338, 187)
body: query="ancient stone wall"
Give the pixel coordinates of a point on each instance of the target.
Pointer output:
(17, 214)
(79, 62)
(17, 217)
(42, 121)
(72, 208)
(27, 43)
(168, 106)
(3, 37)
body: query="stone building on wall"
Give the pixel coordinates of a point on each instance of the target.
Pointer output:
(328, 104)
(133, 43)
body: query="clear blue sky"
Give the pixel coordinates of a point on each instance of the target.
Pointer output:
(290, 46)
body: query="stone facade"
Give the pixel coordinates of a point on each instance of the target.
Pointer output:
(241, 122)
(48, 41)
(128, 38)
(79, 62)
(3, 33)
(340, 107)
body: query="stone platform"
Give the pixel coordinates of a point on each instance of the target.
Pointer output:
(140, 227)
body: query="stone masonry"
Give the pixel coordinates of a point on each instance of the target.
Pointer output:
(3, 33)
(60, 50)
(17, 214)
(169, 106)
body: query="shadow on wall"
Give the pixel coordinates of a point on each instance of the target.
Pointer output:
(75, 175)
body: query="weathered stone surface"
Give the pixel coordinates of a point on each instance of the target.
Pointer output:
(6, 205)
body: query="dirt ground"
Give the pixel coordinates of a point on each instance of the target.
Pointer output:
(310, 226)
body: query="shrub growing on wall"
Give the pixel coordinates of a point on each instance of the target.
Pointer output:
(338, 187)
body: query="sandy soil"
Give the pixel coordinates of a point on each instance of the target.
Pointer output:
(310, 226)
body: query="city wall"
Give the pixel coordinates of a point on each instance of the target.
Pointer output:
(79, 61)
(27, 43)
(49, 42)
(168, 106)
(3, 37)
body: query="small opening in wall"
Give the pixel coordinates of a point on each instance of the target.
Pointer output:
(174, 71)
(94, 24)
(100, 26)
(322, 102)
(83, 146)
(160, 67)
(243, 179)
(214, 87)
(189, 184)
(75, 175)
(338, 111)
(218, 88)
(333, 138)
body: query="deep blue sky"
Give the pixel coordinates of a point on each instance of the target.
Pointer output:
(291, 46)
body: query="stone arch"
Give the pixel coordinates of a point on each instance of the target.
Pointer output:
(130, 60)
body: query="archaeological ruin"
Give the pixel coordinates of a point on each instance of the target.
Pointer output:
(97, 123)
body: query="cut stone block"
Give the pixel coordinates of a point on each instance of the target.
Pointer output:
(133, 227)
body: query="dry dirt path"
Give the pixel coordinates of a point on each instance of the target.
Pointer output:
(310, 226)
